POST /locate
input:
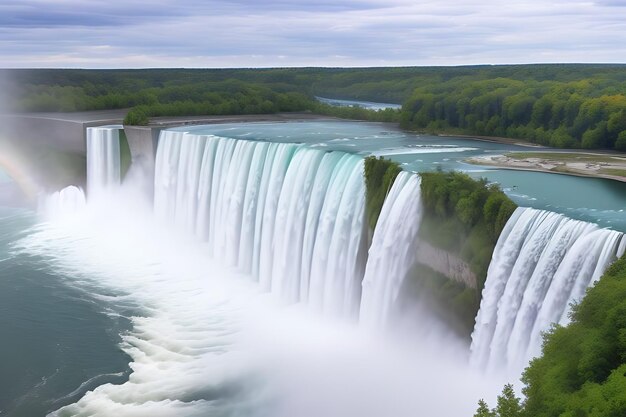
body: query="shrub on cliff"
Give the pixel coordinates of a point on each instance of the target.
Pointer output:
(454, 194)
(464, 216)
(137, 116)
(380, 173)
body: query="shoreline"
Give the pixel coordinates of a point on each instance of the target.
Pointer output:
(579, 164)
(496, 139)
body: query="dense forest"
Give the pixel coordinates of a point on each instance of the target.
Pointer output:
(582, 371)
(565, 106)
(587, 113)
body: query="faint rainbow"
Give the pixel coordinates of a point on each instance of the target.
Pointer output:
(17, 169)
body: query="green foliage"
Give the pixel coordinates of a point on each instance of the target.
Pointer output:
(379, 175)
(582, 371)
(137, 116)
(247, 99)
(153, 93)
(483, 410)
(587, 111)
(508, 405)
(357, 113)
(464, 217)
(449, 301)
(558, 105)
(473, 202)
(620, 144)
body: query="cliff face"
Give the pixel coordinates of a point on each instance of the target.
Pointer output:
(446, 264)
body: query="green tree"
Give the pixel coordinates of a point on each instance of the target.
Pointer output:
(620, 143)
(483, 410)
(508, 404)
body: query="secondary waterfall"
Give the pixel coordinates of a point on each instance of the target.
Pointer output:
(542, 263)
(64, 203)
(103, 158)
(393, 250)
(291, 216)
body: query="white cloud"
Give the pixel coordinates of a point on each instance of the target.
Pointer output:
(56, 33)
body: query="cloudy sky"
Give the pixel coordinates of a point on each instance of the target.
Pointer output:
(262, 33)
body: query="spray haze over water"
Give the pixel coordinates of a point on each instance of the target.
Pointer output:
(242, 284)
(206, 339)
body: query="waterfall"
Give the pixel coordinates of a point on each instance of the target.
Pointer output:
(542, 263)
(291, 216)
(393, 250)
(103, 158)
(62, 204)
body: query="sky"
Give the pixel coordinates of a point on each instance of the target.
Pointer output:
(294, 33)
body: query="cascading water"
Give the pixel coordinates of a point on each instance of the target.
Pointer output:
(103, 158)
(393, 250)
(103, 173)
(291, 216)
(542, 263)
(64, 203)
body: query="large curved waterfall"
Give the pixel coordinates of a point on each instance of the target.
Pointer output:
(291, 216)
(542, 263)
(205, 338)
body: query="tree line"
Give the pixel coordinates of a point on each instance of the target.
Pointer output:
(586, 113)
(565, 106)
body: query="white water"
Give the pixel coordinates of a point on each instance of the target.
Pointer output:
(103, 175)
(204, 339)
(64, 203)
(542, 263)
(291, 216)
(103, 159)
(393, 249)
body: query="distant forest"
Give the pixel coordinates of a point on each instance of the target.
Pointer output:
(565, 106)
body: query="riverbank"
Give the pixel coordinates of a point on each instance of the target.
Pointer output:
(599, 165)
(165, 122)
(495, 139)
